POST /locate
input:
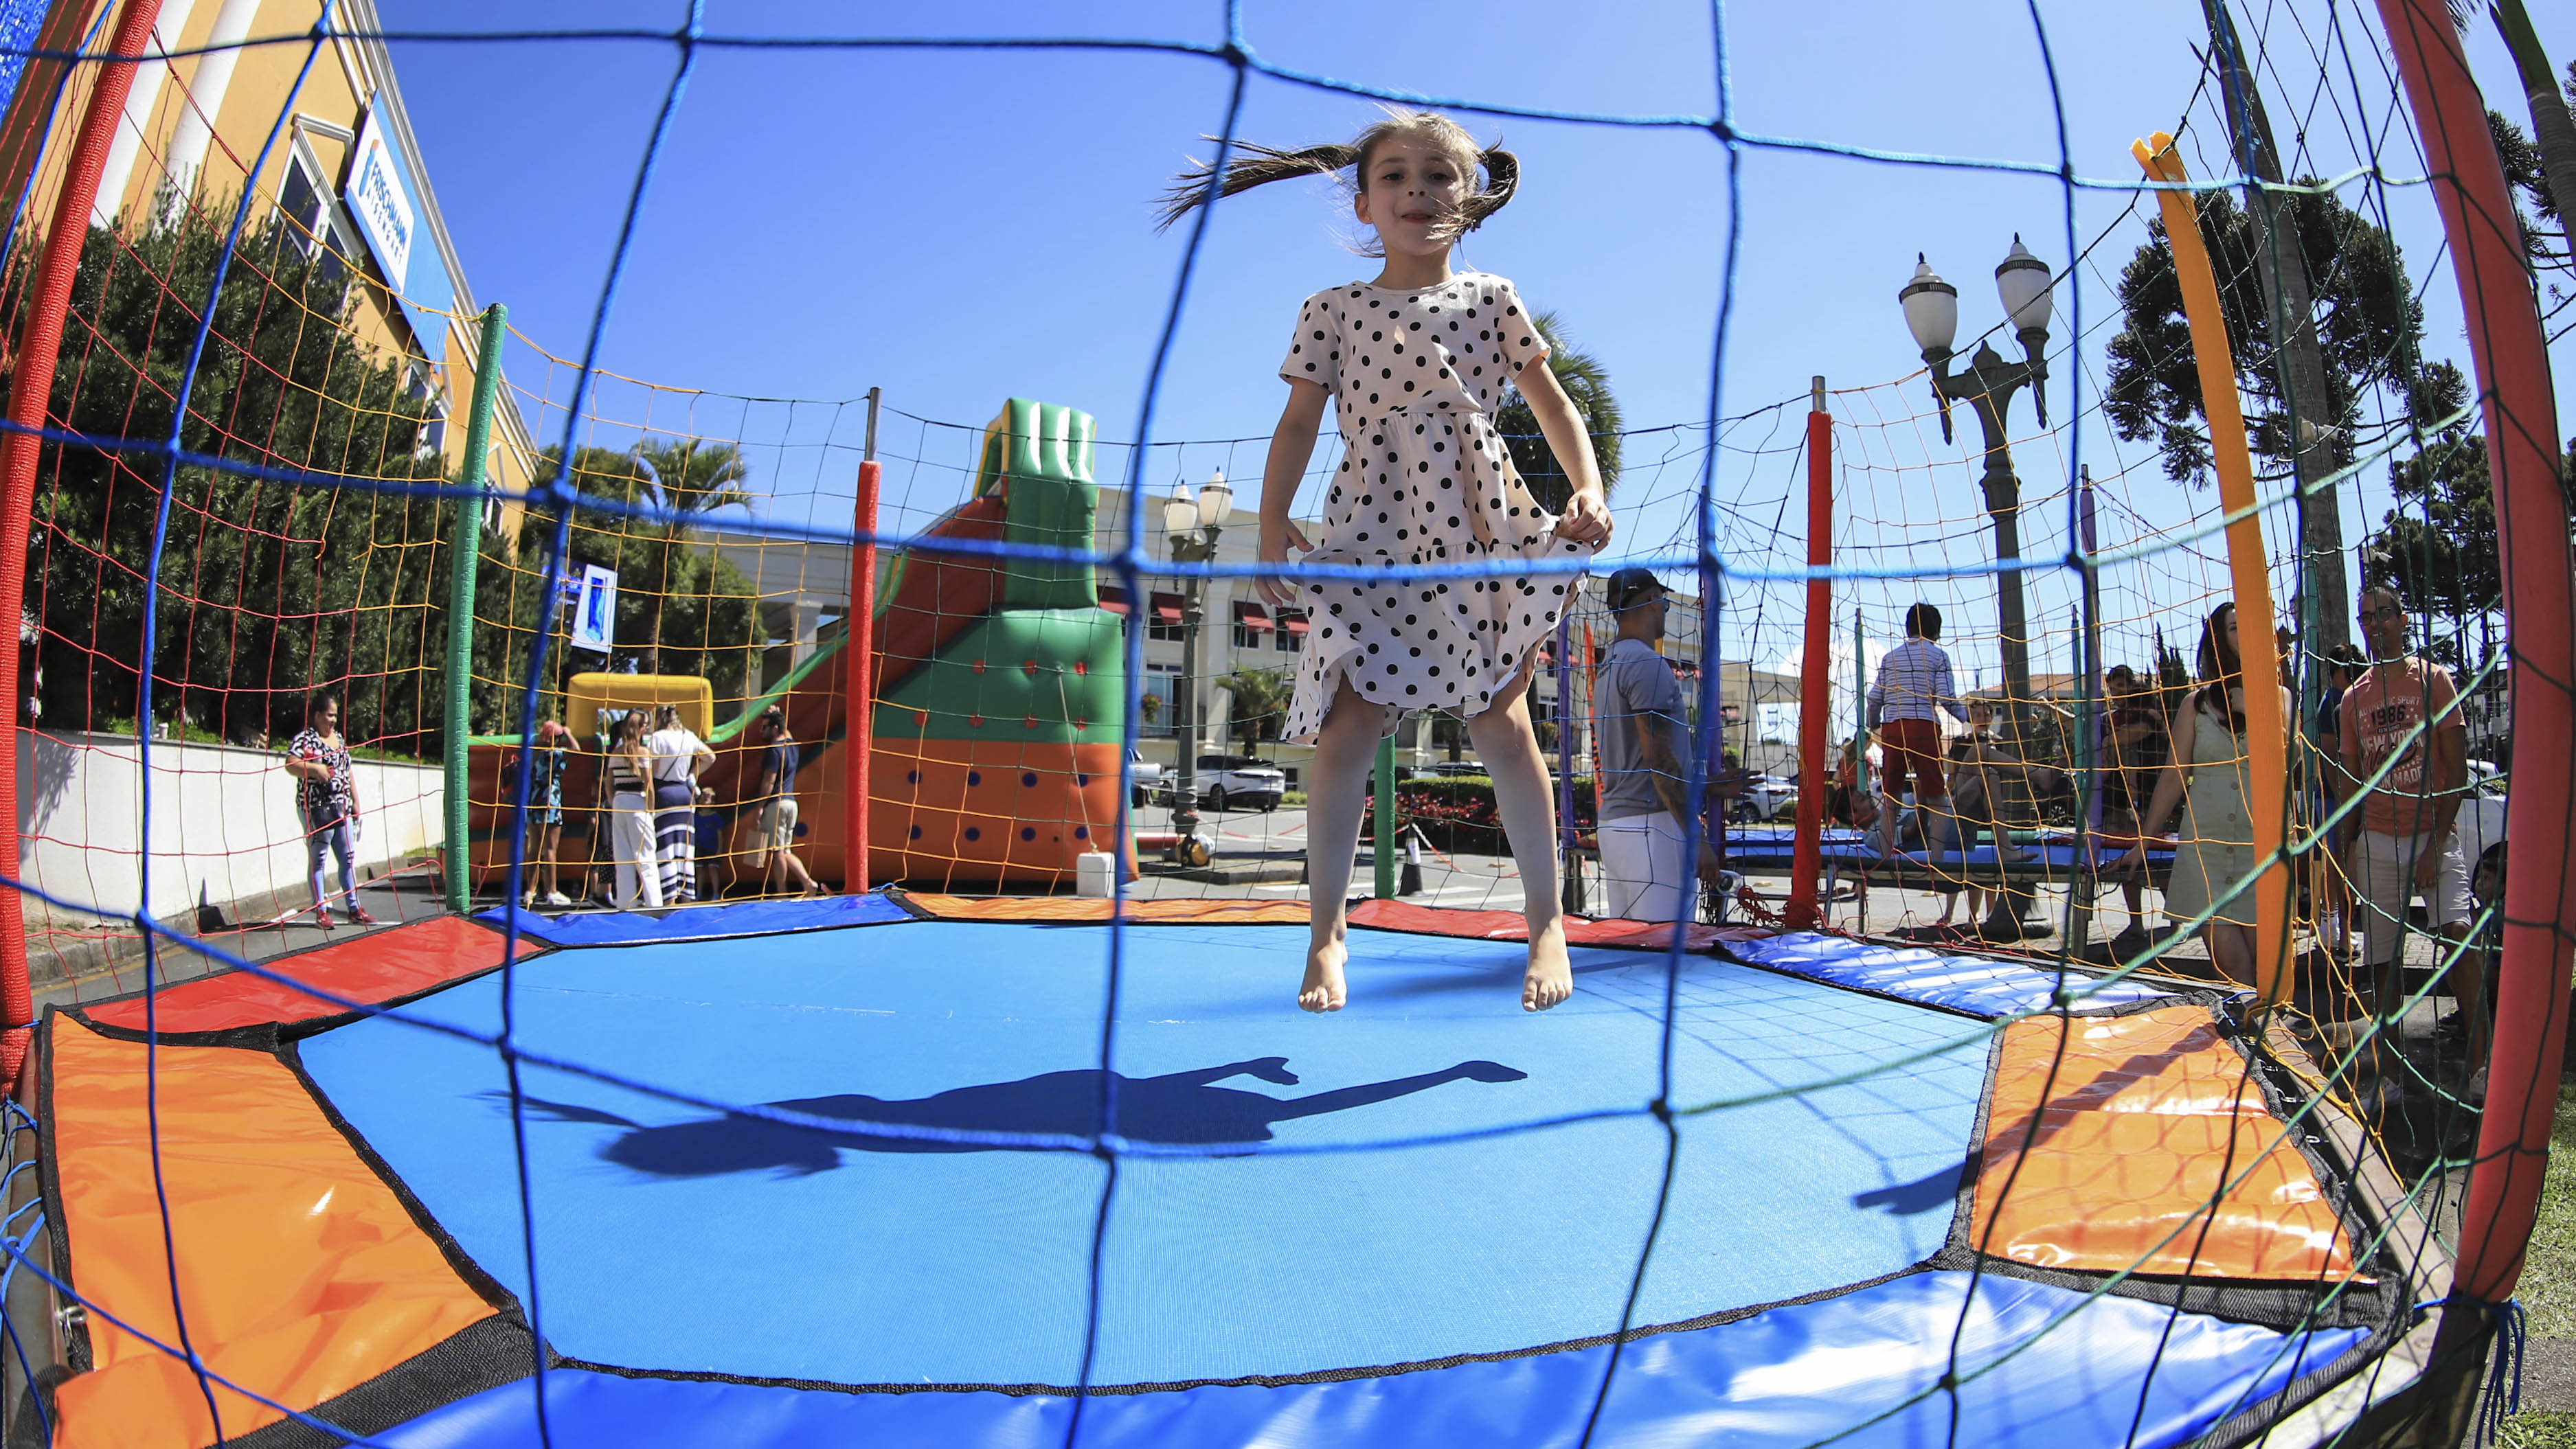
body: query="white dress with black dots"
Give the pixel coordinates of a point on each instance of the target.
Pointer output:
(1424, 480)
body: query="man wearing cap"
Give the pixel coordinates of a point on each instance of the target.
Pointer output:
(1637, 704)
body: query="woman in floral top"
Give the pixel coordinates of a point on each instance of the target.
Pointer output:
(326, 802)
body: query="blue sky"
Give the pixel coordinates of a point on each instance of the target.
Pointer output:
(958, 227)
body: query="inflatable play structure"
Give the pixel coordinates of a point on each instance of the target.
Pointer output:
(998, 686)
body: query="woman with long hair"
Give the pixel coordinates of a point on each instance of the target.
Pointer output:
(2215, 862)
(630, 815)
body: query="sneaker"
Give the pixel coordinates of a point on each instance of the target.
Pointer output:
(2131, 943)
(359, 915)
(557, 898)
(322, 917)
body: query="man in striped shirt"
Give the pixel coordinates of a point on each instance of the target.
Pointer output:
(1913, 683)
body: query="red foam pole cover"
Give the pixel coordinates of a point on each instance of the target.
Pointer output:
(29, 392)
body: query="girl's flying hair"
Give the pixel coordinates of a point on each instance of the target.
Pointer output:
(1260, 165)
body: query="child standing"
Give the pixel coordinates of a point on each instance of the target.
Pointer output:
(1417, 361)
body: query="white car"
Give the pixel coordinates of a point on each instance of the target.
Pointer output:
(2480, 821)
(1238, 782)
(1764, 797)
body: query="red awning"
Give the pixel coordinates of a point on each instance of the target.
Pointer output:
(1252, 616)
(1296, 622)
(1167, 608)
(1113, 599)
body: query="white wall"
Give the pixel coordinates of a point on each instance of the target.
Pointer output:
(223, 820)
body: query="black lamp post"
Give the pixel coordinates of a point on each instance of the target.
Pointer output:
(1191, 527)
(1932, 312)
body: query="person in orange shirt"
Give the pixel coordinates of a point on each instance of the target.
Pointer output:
(2401, 717)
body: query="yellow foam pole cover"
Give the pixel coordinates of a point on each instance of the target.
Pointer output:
(2266, 732)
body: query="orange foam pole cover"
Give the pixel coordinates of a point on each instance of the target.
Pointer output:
(29, 391)
(2248, 566)
(2512, 361)
(1815, 694)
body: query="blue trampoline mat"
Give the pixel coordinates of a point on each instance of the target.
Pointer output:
(1788, 1377)
(1973, 984)
(700, 923)
(670, 1237)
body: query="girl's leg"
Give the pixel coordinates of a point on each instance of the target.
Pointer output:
(1344, 750)
(1509, 748)
(314, 846)
(2231, 950)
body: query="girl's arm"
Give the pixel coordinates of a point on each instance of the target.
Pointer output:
(1292, 444)
(1587, 513)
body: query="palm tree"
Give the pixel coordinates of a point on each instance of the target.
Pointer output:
(2553, 127)
(1587, 384)
(687, 477)
(1260, 704)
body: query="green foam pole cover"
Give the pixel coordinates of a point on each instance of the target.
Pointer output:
(1382, 833)
(468, 544)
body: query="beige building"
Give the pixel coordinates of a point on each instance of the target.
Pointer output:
(345, 174)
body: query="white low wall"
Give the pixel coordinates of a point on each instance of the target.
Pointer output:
(223, 822)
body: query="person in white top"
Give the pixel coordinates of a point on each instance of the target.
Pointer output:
(1913, 686)
(678, 757)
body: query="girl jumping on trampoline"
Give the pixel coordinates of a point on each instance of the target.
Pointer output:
(1417, 362)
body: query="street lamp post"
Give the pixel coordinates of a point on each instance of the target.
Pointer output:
(1932, 313)
(1191, 527)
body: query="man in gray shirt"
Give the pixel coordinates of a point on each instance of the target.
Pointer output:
(1644, 783)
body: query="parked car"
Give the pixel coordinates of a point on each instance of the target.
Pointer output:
(1147, 782)
(1239, 782)
(2480, 821)
(1451, 768)
(1764, 798)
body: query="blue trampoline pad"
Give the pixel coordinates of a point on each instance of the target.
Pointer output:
(1973, 984)
(1866, 1365)
(700, 923)
(671, 1237)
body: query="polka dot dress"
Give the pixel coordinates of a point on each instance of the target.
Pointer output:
(1424, 479)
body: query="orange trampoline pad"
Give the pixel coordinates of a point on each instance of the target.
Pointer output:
(1161, 912)
(302, 1274)
(2145, 1117)
(378, 967)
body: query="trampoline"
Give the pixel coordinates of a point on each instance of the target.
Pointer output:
(851, 1172)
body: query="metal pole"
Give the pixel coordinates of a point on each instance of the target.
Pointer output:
(1571, 871)
(2081, 885)
(468, 544)
(1803, 911)
(1185, 717)
(858, 733)
(1382, 830)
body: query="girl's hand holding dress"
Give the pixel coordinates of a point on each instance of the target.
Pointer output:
(1276, 539)
(1586, 519)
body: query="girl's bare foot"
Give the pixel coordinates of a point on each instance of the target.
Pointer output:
(1551, 975)
(1324, 989)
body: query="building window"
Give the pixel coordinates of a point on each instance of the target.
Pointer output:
(1164, 622)
(1113, 597)
(1162, 686)
(317, 232)
(1291, 631)
(1251, 621)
